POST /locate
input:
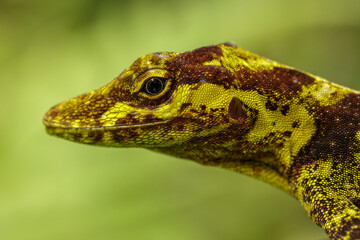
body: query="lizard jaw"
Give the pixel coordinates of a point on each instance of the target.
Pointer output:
(119, 135)
(114, 136)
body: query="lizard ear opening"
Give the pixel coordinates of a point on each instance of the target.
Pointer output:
(236, 110)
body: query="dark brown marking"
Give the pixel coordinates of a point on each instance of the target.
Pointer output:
(287, 133)
(179, 127)
(201, 55)
(284, 81)
(189, 69)
(356, 202)
(355, 234)
(347, 227)
(95, 136)
(184, 106)
(272, 106)
(285, 109)
(295, 124)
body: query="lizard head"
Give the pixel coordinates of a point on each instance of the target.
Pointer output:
(162, 99)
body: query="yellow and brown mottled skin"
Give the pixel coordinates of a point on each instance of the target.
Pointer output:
(223, 106)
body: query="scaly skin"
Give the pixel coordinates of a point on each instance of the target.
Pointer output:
(226, 107)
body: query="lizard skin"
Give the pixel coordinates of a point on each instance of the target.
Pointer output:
(223, 106)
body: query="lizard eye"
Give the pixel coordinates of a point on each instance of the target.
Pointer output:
(153, 86)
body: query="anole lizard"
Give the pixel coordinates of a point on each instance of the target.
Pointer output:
(223, 106)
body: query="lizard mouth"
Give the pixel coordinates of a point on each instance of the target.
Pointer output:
(129, 135)
(50, 122)
(68, 123)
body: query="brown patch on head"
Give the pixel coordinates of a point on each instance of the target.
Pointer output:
(284, 81)
(189, 69)
(197, 73)
(201, 55)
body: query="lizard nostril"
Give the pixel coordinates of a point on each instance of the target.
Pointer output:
(53, 113)
(50, 116)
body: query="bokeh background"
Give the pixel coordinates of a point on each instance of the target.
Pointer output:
(54, 50)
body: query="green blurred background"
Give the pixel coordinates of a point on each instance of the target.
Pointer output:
(54, 50)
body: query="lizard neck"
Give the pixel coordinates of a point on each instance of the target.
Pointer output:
(282, 129)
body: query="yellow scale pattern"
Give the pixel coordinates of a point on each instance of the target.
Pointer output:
(226, 107)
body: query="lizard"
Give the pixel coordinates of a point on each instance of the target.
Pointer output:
(226, 107)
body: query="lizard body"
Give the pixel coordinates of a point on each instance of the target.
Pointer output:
(226, 107)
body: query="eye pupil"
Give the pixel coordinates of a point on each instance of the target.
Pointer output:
(154, 86)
